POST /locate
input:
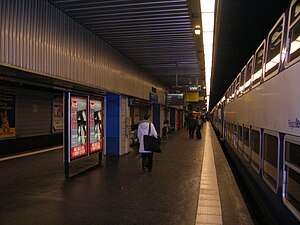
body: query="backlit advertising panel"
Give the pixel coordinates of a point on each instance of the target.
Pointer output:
(57, 114)
(78, 127)
(7, 116)
(96, 125)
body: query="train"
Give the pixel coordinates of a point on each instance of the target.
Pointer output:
(258, 121)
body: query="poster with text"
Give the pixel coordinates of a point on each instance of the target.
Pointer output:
(96, 126)
(7, 116)
(57, 114)
(78, 127)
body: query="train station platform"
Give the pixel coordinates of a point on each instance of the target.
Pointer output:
(190, 183)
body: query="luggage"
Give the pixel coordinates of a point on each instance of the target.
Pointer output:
(151, 143)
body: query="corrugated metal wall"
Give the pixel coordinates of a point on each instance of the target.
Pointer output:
(33, 113)
(38, 37)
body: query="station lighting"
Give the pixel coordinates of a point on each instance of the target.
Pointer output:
(208, 18)
(197, 30)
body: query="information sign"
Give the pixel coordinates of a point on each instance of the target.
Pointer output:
(175, 99)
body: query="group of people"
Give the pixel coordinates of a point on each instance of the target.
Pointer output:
(194, 123)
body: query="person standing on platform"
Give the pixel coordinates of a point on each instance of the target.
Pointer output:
(143, 129)
(192, 123)
(198, 131)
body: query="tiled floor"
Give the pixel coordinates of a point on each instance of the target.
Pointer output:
(33, 189)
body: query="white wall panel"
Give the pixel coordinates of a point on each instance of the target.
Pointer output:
(36, 36)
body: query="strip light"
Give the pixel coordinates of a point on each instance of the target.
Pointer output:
(208, 15)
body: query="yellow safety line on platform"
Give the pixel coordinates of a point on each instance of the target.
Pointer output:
(209, 206)
(30, 153)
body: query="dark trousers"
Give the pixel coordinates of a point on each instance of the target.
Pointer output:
(147, 161)
(191, 131)
(198, 133)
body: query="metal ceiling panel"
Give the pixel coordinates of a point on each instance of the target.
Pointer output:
(156, 34)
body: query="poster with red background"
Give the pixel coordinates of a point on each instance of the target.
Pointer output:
(96, 125)
(78, 127)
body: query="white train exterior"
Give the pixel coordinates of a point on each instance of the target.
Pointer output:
(259, 115)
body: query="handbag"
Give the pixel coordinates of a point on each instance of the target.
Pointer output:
(151, 143)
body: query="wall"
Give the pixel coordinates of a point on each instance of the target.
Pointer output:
(36, 36)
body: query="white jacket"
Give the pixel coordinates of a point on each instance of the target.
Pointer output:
(143, 130)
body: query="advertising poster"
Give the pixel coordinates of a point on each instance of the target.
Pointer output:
(57, 114)
(96, 126)
(78, 131)
(7, 116)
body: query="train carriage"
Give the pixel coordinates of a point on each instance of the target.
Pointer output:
(258, 118)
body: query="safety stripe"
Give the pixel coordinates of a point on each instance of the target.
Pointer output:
(31, 153)
(209, 206)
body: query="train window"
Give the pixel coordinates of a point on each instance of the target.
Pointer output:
(294, 34)
(270, 159)
(229, 133)
(240, 139)
(242, 80)
(246, 138)
(255, 149)
(225, 130)
(248, 75)
(228, 95)
(294, 43)
(257, 66)
(295, 12)
(237, 85)
(235, 135)
(273, 50)
(291, 188)
(232, 90)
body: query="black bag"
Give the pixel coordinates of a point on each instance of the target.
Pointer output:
(151, 143)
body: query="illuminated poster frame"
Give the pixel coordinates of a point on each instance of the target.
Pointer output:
(7, 116)
(78, 127)
(57, 114)
(96, 125)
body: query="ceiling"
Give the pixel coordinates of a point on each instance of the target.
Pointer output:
(159, 35)
(156, 34)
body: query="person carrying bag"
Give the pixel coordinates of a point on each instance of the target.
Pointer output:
(151, 143)
(146, 129)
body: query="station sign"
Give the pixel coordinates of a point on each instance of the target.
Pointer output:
(175, 99)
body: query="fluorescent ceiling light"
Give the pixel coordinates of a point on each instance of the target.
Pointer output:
(208, 48)
(208, 38)
(207, 5)
(208, 21)
(207, 14)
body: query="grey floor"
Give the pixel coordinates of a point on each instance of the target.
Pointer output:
(33, 189)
